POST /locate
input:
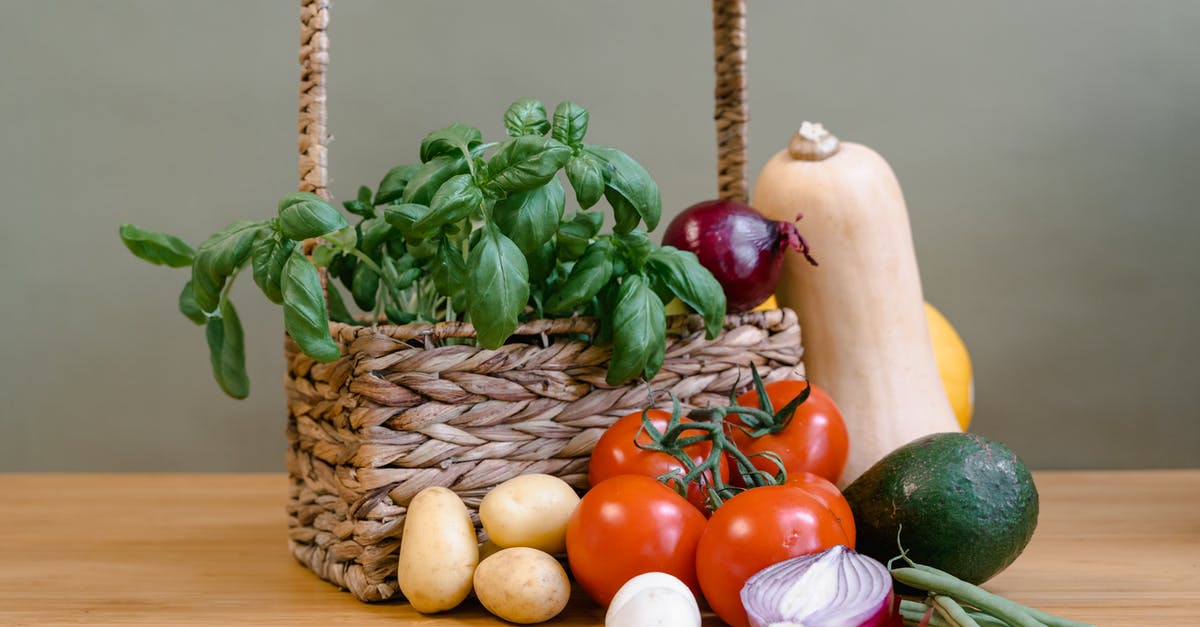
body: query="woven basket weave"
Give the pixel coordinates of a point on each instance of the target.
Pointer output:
(399, 411)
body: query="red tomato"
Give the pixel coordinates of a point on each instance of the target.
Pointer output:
(757, 528)
(814, 441)
(629, 525)
(829, 496)
(616, 454)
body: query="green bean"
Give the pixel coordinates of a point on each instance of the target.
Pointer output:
(953, 612)
(1049, 619)
(913, 612)
(1000, 607)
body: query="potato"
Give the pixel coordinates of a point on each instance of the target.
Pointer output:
(530, 511)
(438, 551)
(522, 585)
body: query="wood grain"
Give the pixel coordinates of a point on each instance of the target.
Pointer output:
(1112, 548)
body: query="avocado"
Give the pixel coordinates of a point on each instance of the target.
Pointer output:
(961, 503)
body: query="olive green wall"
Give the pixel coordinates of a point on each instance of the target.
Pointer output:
(1048, 152)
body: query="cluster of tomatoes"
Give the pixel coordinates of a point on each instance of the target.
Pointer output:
(630, 522)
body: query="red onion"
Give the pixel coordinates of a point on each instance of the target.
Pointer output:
(740, 247)
(834, 587)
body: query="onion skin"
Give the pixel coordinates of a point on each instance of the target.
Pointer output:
(740, 247)
(856, 589)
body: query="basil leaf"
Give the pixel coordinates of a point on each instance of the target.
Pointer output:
(526, 117)
(364, 286)
(423, 249)
(531, 218)
(589, 275)
(364, 194)
(268, 256)
(430, 176)
(540, 262)
(691, 283)
(604, 308)
(660, 287)
(449, 269)
(497, 287)
(227, 351)
(360, 208)
(218, 257)
(456, 137)
(454, 200)
(628, 180)
(323, 256)
(405, 279)
(574, 236)
(374, 233)
(396, 316)
(337, 306)
(570, 124)
(391, 188)
(637, 247)
(624, 214)
(404, 218)
(188, 306)
(639, 323)
(586, 174)
(303, 215)
(342, 266)
(526, 162)
(304, 314)
(159, 249)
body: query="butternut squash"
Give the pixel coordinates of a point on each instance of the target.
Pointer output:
(862, 317)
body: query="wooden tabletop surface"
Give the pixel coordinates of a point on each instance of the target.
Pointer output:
(1112, 548)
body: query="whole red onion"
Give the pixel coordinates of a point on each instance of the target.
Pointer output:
(740, 247)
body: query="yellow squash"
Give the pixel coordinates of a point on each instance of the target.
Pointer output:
(866, 339)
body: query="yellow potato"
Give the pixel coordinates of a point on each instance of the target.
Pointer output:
(522, 585)
(530, 511)
(438, 551)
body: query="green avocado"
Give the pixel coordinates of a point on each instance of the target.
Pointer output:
(960, 502)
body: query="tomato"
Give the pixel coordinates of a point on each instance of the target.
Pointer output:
(814, 441)
(757, 528)
(829, 496)
(616, 454)
(629, 525)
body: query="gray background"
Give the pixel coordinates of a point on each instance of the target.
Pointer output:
(1048, 153)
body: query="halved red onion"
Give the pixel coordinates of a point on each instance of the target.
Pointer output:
(837, 586)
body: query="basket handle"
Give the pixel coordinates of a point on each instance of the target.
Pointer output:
(314, 135)
(731, 112)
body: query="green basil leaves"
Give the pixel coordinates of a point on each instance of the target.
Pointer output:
(530, 218)
(159, 249)
(218, 257)
(691, 283)
(304, 314)
(303, 215)
(629, 189)
(473, 231)
(456, 138)
(526, 162)
(497, 287)
(639, 323)
(526, 117)
(227, 351)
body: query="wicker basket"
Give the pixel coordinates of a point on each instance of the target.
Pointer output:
(399, 412)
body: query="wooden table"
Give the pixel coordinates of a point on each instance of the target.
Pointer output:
(1112, 548)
